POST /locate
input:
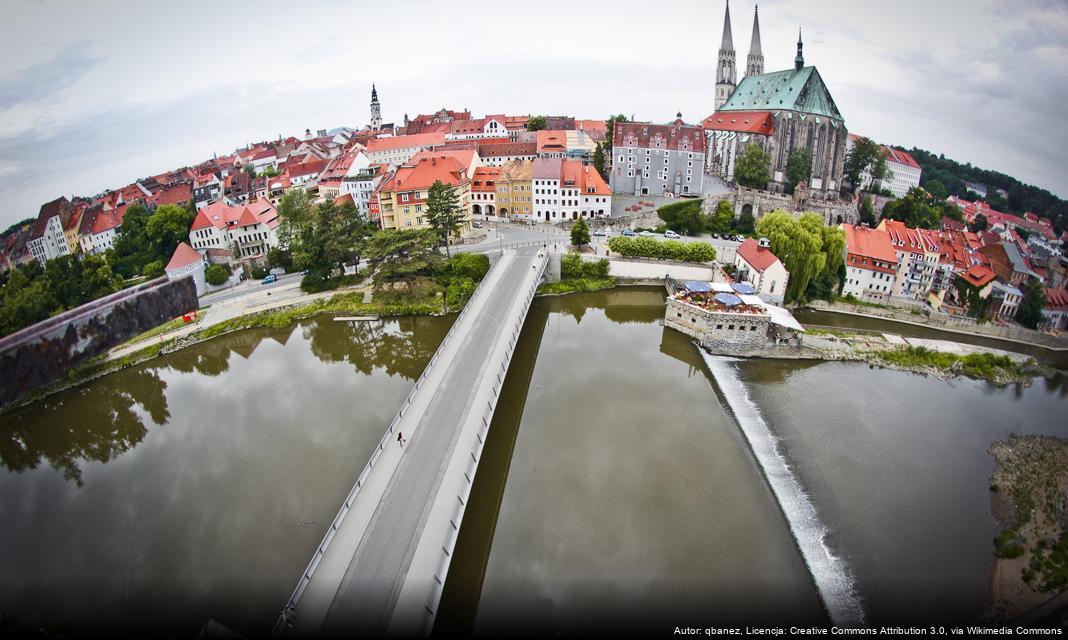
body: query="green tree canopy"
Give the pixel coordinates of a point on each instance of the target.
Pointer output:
(536, 123)
(917, 209)
(580, 233)
(443, 212)
(867, 211)
(401, 255)
(746, 223)
(216, 274)
(33, 294)
(799, 244)
(858, 159)
(598, 159)
(684, 216)
(1034, 300)
(936, 189)
(978, 223)
(798, 168)
(722, 220)
(751, 169)
(610, 129)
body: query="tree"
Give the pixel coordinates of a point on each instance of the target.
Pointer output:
(916, 210)
(216, 274)
(610, 130)
(166, 228)
(936, 189)
(746, 223)
(401, 254)
(722, 220)
(250, 170)
(132, 246)
(1034, 300)
(536, 123)
(153, 269)
(867, 211)
(598, 159)
(443, 212)
(799, 244)
(751, 170)
(798, 168)
(684, 216)
(879, 171)
(971, 297)
(580, 233)
(978, 224)
(859, 158)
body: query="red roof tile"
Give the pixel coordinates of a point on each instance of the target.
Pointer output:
(183, 256)
(741, 121)
(760, 258)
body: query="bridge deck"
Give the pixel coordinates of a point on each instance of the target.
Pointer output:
(379, 550)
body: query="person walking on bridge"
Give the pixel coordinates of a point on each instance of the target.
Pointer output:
(400, 438)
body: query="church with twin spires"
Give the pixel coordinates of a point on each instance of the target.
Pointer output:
(781, 111)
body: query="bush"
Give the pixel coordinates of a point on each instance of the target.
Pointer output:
(1008, 545)
(459, 292)
(573, 267)
(474, 266)
(216, 274)
(154, 269)
(669, 249)
(259, 273)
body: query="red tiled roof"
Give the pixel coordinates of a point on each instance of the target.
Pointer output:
(423, 174)
(221, 215)
(552, 141)
(485, 179)
(741, 121)
(675, 136)
(405, 142)
(464, 156)
(177, 194)
(488, 149)
(758, 257)
(1057, 299)
(901, 157)
(183, 256)
(864, 243)
(979, 275)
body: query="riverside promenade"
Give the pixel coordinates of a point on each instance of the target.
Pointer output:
(383, 562)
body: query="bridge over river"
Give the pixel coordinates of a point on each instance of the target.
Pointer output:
(382, 564)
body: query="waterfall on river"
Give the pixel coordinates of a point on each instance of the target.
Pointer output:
(830, 573)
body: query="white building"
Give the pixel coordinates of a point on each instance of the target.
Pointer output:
(245, 232)
(48, 239)
(396, 150)
(756, 264)
(568, 190)
(186, 261)
(488, 127)
(871, 264)
(917, 260)
(498, 154)
(903, 172)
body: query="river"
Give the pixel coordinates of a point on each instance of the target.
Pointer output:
(616, 482)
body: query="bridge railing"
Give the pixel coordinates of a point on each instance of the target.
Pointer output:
(462, 489)
(291, 605)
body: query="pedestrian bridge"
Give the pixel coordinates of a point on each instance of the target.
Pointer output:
(382, 564)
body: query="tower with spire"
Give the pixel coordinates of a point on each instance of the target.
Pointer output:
(799, 60)
(726, 78)
(754, 64)
(376, 110)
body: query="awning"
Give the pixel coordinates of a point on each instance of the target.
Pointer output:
(752, 300)
(697, 286)
(783, 318)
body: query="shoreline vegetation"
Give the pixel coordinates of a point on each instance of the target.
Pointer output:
(1029, 499)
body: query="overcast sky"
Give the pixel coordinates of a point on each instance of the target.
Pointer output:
(94, 95)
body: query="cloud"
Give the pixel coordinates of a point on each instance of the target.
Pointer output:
(39, 82)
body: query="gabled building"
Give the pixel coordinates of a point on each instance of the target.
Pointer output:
(1056, 310)
(99, 227)
(515, 190)
(396, 150)
(756, 264)
(903, 172)
(188, 262)
(498, 154)
(654, 159)
(917, 260)
(401, 198)
(207, 188)
(568, 190)
(484, 191)
(48, 237)
(242, 233)
(488, 127)
(870, 263)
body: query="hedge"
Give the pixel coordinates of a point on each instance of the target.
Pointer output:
(668, 249)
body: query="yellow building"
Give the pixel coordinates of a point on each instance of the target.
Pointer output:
(514, 190)
(402, 195)
(71, 231)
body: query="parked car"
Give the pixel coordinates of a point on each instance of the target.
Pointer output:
(629, 233)
(600, 233)
(270, 278)
(646, 234)
(476, 224)
(671, 234)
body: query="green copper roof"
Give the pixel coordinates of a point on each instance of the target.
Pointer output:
(794, 90)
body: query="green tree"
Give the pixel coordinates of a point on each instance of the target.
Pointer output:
(867, 211)
(250, 170)
(610, 130)
(536, 123)
(859, 158)
(936, 189)
(132, 246)
(598, 159)
(979, 223)
(684, 216)
(971, 297)
(722, 220)
(468, 265)
(798, 168)
(916, 210)
(26, 301)
(580, 233)
(751, 170)
(879, 171)
(443, 212)
(154, 269)
(1034, 300)
(216, 274)
(746, 223)
(401, 255)
(280, 258)
(166, 228)
(798, 244)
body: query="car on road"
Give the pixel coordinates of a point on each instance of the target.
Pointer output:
(269, 279)
(476, 224)
(671, 234)
(601, 233)
(646, 234)
(629, 233)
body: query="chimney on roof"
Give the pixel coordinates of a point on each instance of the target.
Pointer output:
(764, 242)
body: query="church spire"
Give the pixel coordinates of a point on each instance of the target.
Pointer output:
(726, 77)
(755, 62)
(376, 109)
(799, 61)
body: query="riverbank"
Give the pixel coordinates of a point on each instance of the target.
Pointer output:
(1029, 494)
(424, 302)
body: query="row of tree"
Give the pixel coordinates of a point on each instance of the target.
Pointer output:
(33, 293)
(688, 218)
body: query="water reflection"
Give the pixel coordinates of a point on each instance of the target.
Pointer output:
(401, 348)
(85, 425)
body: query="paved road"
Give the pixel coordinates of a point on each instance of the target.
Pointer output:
(248, 287)
(369, 590)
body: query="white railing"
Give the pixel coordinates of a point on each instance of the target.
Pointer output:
(451, 529)
(305, 578)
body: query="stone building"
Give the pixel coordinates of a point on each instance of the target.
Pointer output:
(654, 159)
(758, 203)
(780, 111)
(722, 319)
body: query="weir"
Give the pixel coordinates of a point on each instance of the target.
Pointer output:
(832, 577)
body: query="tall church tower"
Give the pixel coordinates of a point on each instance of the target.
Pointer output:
(376, 110)
(754, 64)
(726, 78)
(799, 60)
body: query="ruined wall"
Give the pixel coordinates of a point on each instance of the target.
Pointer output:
(38, 354)
(718, 330)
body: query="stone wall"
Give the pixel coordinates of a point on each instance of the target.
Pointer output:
(760, 203)
(718, 330)
(40, 353)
